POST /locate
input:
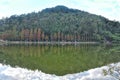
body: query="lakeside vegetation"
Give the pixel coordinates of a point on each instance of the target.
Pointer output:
(59, 40)
(59, 24)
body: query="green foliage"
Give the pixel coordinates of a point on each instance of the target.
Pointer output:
(66, 21)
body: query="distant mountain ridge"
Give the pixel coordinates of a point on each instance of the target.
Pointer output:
(60, 8)
(60, 23)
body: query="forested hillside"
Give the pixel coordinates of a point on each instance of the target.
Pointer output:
(59, 24)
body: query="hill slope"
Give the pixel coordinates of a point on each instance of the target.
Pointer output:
(59, 24)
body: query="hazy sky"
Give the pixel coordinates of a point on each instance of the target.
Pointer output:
(107, 8)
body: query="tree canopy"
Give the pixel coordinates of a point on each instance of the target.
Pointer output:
(59, 24)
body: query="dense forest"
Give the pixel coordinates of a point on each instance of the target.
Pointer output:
(59, 24)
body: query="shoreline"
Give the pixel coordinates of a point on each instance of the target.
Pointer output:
(46, 42)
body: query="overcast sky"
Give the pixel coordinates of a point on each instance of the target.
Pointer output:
(107, 8)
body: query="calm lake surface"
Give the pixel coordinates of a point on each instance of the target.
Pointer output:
(59, 59)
